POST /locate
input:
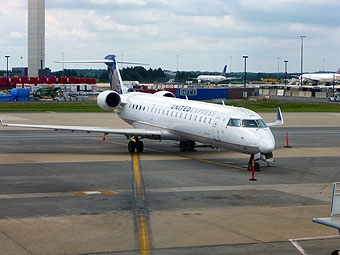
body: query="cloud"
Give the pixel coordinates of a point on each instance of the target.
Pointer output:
(203, 33)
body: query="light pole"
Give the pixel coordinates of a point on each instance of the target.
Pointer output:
(278, 65)
(7, 72)
(245, 70)
(62, 58)
(230, 67)
(286, 62)
(177, 69)
(301, 36)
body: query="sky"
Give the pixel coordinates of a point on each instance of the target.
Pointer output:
(202, 35)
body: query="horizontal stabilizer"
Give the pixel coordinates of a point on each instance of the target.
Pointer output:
(99, 61)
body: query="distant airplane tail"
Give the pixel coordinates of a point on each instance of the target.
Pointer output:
(224, 70)
(338, 72)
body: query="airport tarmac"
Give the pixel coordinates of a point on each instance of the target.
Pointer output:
(72, 193)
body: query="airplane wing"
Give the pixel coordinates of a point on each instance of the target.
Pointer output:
(279, 119)
(129, 132)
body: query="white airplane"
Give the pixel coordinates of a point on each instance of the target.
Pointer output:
(320, 77)
(213, 78)
(161, 116)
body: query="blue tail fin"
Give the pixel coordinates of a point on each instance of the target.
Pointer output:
(224, 70)
(116, 82)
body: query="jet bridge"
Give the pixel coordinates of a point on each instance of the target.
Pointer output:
(334, 220)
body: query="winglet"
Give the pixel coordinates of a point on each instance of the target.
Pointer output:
(2, 123)
(279, 119)
(279, 115)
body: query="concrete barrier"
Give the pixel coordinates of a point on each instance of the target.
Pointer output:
(280, 92)
(288, 93)
(308, 93)
(302, 93)
(295, 93)
(266, 92)
(260, 91)
(273, 92)
(320, 95)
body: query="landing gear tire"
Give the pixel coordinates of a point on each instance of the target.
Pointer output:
(191, 146)
(187, 146)
(183, 146)
(131, 146)
(336, 252)
(139, 146)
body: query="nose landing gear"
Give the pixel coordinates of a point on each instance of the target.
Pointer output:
(250, 163)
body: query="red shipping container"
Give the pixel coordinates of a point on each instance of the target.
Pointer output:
(52, 80)
(42, 80)
(24, 80)
(33, 80)
(14, 80)
(91, 81)
(3, 80)
(72, 80)
(62, 80)
(81, 80)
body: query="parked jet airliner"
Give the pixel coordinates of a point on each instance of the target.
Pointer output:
(213, 78)
(161, 116)
(321, 77)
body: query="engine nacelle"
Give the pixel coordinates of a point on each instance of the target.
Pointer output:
(164, 94)
(108, 100)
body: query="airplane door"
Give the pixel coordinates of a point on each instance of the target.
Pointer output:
(216, 130)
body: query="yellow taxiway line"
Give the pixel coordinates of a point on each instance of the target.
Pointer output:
(143, 233)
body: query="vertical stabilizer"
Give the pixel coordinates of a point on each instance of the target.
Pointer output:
(224, 70)
(116, 82)
(338, 72)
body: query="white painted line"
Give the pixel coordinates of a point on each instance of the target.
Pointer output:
(92, 192)
(299, 248)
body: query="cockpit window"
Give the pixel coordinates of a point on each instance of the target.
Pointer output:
(261, 123)
(249, 123)
(234, 123)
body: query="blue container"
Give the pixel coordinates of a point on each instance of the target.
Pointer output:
(202, 93)
(6, 98)
(16, 93)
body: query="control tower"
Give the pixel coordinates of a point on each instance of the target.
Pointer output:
(36, 36)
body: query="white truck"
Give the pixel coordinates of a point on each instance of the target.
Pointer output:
(335, 97)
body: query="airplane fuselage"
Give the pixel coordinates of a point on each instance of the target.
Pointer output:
(211, 78)
(321, 77)
(207, 123)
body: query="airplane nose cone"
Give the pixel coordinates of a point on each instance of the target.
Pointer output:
(267, 146)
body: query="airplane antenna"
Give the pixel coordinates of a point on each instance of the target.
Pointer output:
(223, 103)
(186, 97)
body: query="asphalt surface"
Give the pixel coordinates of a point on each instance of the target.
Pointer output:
(192, 203)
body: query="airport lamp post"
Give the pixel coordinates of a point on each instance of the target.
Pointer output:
(286, 62)
(245, 70)
(301, 36)
(7, 57)
(177, 69)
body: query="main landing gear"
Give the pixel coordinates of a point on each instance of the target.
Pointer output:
(187, 145)
(134, 145)
(250, 164)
